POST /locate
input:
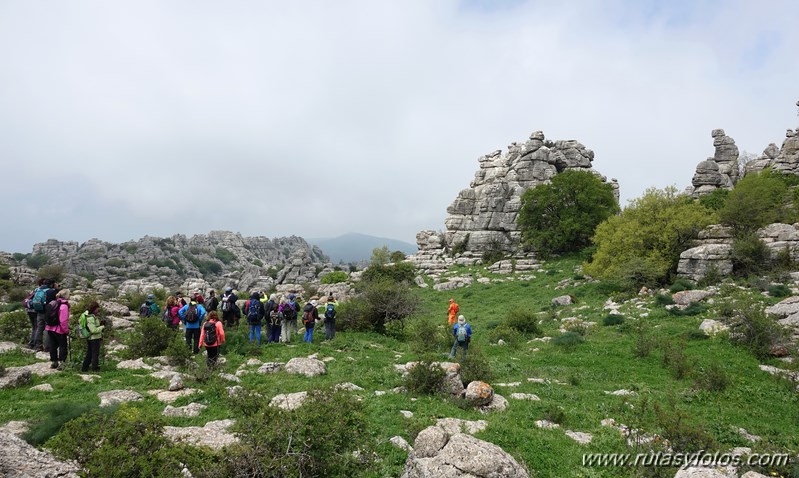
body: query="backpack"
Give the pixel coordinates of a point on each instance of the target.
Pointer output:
(227, 306)
(83, 329)
(51, 313)
(28, 301)
(191, 314)
(213, 303)
(210, 334)
(274, 318)
(307, 315)
(145, 310)
(461, 334)
(330, 312)
(289, 311)
(167, 317)
(254, 312)
(38, 300)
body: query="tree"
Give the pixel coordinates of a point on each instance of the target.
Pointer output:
(380, 256)
(757, 200)
(642, 245)
(562, 216)
(397, 256)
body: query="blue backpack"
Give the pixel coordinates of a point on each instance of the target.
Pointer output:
(39, 299)
(330, 312)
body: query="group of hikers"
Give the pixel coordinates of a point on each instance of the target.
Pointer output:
(48, 309)
(461, 331)
(203, 326)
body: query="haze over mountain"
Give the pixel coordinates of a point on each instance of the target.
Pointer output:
(355, 247)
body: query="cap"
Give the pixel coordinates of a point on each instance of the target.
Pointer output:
(150, 296)
(291, 296)
(461, 319)
(229, 289)
(313, 302)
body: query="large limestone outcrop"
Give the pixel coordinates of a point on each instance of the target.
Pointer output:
(18, 459)
(720, 171)
(199, 262)
(439, 454)
(483, 216)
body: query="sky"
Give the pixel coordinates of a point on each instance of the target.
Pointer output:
(312, 118)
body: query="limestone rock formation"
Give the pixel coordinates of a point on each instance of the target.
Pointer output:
(720, 171)
(19, 459)
(310, 367)
(218, 259)
(437, 453)
(483, 216)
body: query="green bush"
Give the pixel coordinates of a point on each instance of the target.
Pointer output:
(425, 378)
(663, 299)
(674, 359)
(568, 340)
(562, 215)
(177, 352)
(683, 435)
(399, 272)
(644, 342)
(37, 261)
(757, 200)
(122, 443)
(716, 199)
(334, 277)
(694, 308)
(613, 319)
(712, 378)
(134, 300)
(647, 238)
(524, 321)
(224, 255)
(750, 327)
(427, 336)
(750, 256)
(54, 416)
(55, 272)
(15, 327)
(150, 338)
(779, 290)
(504, 332)
(680, 285)
(554, 414)
(326, 436)
(378, 303)
(476, 366)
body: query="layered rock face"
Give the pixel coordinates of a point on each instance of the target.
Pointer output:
(218, 258)
(720, 171)
(483, 216)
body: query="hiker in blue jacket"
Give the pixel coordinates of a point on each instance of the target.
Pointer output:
(192, 315)
(463, 335)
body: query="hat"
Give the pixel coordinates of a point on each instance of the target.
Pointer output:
(150, 296)
(313, 302)
(461, 319)
(229, 289)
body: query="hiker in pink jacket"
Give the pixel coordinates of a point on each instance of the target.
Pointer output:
(58, 333)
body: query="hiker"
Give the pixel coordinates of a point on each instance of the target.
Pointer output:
(274, 323)
(213, 302)
(229, 307)
(452, 312)
(180, 299)
(93, 327)
(58, 333)
(330, 318)
(149, 307)
(212, 337)
(171, 317)
(198, 297)
(192, 315)
(28, 304)
(290, 310)
(254, 310)
(309, 317)
(463, 335)
(38, 302)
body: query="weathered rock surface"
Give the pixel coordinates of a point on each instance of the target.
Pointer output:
(20, 460)
(309, 367)
(167, 396)
(712, 327)
(15, 377)
(213, 435)
(289, 401)
(190, 410)
(437, 454)
(720, 171)
(457, 425)
(479, 393)
(115, 397)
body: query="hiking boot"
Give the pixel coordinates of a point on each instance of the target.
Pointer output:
(54, 365)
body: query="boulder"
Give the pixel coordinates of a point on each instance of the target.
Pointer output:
(271, 367)
(115, 397)
(562, 300)
(479, 393)
(437, 454)
(289, 401)
(19, 459)
(497, 404)
(176, 383)
(306, 366)
(711, 327)
(457, 425)
(15, 377)
(688, 297)
(190, 410)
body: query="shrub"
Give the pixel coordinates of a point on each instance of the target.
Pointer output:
(15, 326)
(460, 246)
(397, 256)
(150, 338)
(712, 378)
(379, 303)
(750, 256)
(568, 340)
(681, 285)
(505, 333)
(224, 255)
(399, 272)
(752, 328)
(613, 319)
(644, 342)
(694, 308)
(326, 436)
(425, 378)
(475, 367)
(649, 235)
(523, 321)
(715, 200)
(53, 271)
(757, 199)
(177, 352)
(554, 414)
(779, 290)
(37, 261)
(120, 443)
(134, 300)
(494, 251)
(395, 329)
(683, 436)
(674, 359)
(712, 276)
(54, 416)
(334, 277)
(428, 336)
(663, 299)
(561, 216)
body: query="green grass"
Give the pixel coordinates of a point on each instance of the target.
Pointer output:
(604, 362)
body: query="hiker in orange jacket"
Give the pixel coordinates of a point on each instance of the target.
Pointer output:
(452, 312)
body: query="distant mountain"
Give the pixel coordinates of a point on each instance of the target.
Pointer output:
(354, 247)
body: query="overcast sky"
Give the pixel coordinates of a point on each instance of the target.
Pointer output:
(120, 119)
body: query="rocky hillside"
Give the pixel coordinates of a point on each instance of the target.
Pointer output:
(219, 258)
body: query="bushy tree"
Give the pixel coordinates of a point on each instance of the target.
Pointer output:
(562, 216)
(380, 256)
(642, 245)
(378, 303)
(757, 200)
